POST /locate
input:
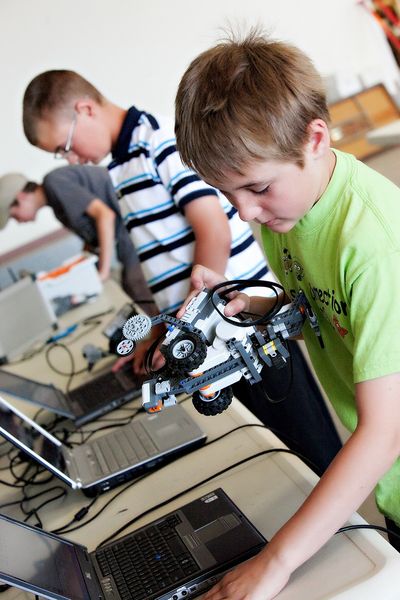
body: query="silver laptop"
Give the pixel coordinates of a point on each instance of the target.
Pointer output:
(97, 466)
(87, 402)
(27, 318)
(176, 557)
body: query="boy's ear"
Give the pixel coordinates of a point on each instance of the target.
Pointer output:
(86, 106)
(318, 138)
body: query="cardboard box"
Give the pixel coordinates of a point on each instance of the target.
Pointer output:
(77, 276)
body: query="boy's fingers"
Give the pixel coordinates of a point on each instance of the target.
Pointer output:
(198, 279)
(201, 277)
(204, 277)
(139, 359)
(237, 305)
(182, 309)
(120, 363)
(158, 360)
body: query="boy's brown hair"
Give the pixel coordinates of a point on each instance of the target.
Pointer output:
(245, 100)
(52, 92)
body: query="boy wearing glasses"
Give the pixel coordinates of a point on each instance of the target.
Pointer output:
(175, 220)
(173, 217)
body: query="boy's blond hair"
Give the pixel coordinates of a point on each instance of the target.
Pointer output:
(52, 92)
(246, 100)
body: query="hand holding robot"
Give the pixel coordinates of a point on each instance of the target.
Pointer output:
(206, 351)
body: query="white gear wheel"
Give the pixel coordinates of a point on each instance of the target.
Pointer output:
(137, 327)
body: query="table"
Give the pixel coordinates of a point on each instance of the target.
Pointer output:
(352, 566)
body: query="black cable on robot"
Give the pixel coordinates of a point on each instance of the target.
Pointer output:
(237, 285)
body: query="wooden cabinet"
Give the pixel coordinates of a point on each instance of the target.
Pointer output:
(352, 118)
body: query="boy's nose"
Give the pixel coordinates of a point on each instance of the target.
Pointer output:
(247, 212)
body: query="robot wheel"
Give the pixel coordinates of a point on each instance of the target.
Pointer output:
(214, 406)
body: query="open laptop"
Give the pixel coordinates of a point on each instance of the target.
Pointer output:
(178, 556)
(27, 318)
(85, 403)
(113, 458)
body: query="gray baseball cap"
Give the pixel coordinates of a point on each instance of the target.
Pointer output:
(10, 185)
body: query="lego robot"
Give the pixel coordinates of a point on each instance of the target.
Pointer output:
(205, 352)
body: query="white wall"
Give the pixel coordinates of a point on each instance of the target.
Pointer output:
(136, 51)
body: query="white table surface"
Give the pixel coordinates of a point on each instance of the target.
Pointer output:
(358, 565)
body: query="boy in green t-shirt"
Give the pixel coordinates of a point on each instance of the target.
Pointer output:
(251, 119)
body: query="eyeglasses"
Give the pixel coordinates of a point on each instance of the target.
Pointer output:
(63, 152)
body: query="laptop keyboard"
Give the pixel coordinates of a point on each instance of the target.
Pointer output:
(96, 392)
(145, 563)
(129, 445)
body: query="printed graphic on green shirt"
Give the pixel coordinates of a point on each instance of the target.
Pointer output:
(329, 305)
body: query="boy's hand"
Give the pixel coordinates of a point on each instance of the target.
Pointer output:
(140, 352)
(256, 579)
(202, 277)
(120, 362)
(138, 359)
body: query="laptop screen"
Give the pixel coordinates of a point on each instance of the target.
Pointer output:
(44, 395)
(14, 425)
(53, 568)
(33, 439)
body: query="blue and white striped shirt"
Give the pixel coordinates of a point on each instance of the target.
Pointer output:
(154, 187)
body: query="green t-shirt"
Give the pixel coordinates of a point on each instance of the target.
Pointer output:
(345, 255)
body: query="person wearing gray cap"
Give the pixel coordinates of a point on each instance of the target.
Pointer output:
(83, 200)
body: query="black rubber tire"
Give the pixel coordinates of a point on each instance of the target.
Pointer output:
(193, 353)
(213, 407)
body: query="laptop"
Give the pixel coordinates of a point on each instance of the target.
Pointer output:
(27, 318)
(177, 556)
(85, 403)
(111, 459)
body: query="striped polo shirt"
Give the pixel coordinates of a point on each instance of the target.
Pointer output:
(154, 187)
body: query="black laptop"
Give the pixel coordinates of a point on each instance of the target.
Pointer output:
(84, 403)
(176, 557)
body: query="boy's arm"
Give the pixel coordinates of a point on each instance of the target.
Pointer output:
(194, 198)
(368, 454)
(212, 233)
(104, 218)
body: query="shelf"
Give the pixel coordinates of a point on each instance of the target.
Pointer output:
(353, 118)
